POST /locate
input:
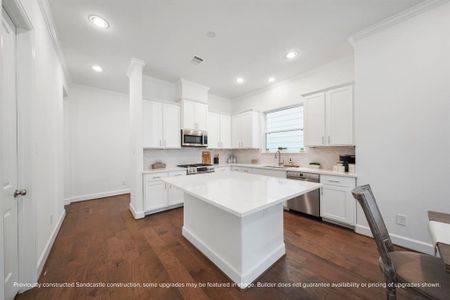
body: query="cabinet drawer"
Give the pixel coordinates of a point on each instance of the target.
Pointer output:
(337, 181)
(177, 173)
(155, 176)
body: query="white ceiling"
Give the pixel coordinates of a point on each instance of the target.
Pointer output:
(252, 37)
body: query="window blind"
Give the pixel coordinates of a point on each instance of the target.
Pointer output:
(284, 128)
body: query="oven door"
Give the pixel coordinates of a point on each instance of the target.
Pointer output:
(193, 138)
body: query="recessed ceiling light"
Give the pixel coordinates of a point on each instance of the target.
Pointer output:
(291, 55)
(211, 34)
(97, 68)
(271, 79)
(99, 21)
(240, 80)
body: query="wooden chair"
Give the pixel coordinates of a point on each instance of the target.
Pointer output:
(402, 266)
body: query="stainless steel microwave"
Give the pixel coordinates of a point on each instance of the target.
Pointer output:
(194, 138)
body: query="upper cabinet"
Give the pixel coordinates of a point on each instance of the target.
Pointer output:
(245, 130)
(194, 104)
(329, 118)
(161, 125)
(219, 131)
(195, 115)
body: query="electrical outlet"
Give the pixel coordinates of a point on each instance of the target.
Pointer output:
(400, 219)
(51, 219)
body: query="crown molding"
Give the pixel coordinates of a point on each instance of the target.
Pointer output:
(135, 63)
(396, 19)
(48, 18)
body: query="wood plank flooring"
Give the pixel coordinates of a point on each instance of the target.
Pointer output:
(99, 241)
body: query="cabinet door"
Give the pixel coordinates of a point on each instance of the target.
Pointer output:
(246, 130)
(225, 131)
(213, 130)
(339, 105)
(337, 204)
(314, 118)
(236, 127)
(171, 126)
(188, 114)
(201, 116)
(152, 121)
(155, 196)
(175, 196)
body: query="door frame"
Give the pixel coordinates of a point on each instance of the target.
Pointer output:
(26, 219)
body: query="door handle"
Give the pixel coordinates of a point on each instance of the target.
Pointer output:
(21, 192)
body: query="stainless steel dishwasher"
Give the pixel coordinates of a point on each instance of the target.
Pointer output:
(308, 203)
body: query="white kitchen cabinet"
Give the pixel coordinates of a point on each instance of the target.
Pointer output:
(245, 130)
(328, 119)
(314, 118)
(159, 196)
(195, 115)
(271, 173)
(161, 125)
(339, 122)
(336, 202)
(219, 131)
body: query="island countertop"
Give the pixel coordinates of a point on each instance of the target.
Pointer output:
(239, 193)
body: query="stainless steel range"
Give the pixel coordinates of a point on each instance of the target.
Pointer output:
(193, 169)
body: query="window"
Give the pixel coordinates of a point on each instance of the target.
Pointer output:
(284, 128)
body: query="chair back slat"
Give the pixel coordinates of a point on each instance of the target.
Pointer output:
(380, 233)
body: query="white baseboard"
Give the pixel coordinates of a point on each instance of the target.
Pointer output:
(48, 246)
(136, 214)
(95, 196)
(400, 240)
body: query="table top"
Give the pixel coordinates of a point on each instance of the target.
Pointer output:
(444, 248)
(239, 193)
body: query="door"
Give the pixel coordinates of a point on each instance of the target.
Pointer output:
(155, 196)
(8, 156)
(176, 196)
(188, 115)
(314, 127)
(236, 125)
(339, 105)
(337, 204)
(171, 126)
(201, 116)
(213, 130)
(152, 124)
(225, 131)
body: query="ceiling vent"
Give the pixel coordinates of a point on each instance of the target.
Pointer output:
(197, 60)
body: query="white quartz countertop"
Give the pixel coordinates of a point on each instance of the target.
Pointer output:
(169, 169)
(285, 169)
(239, 193)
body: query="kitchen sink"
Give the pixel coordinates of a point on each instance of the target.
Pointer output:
(277, 167)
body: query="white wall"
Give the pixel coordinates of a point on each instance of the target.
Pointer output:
(289, 92)
(219, 104)
(98, 143)
(402, 122)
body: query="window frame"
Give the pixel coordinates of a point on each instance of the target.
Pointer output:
(265, 149)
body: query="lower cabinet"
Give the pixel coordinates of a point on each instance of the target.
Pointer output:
(336, 202)
(160, 196)
(222, 169)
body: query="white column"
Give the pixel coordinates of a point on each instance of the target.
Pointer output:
(134, 74)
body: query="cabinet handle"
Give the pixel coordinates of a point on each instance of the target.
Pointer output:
(323, 140)
(336, 181)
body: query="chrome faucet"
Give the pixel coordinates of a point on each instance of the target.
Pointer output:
(278, 155)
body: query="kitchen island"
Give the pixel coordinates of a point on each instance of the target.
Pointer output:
(236, 219)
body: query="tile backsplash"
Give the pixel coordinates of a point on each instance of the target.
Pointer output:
(173, 157)
(326, 156)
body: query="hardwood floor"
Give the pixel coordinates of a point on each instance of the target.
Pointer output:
(100, 242)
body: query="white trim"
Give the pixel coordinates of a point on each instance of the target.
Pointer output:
(400, 240)
(136, 214)
(135, 63)
(95, 196)
(48, 246)
(396, 19)
(48, 18)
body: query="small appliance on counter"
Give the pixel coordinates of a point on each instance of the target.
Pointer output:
(206, 157)
(346, 160)
(216, 159)
(192, 169)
